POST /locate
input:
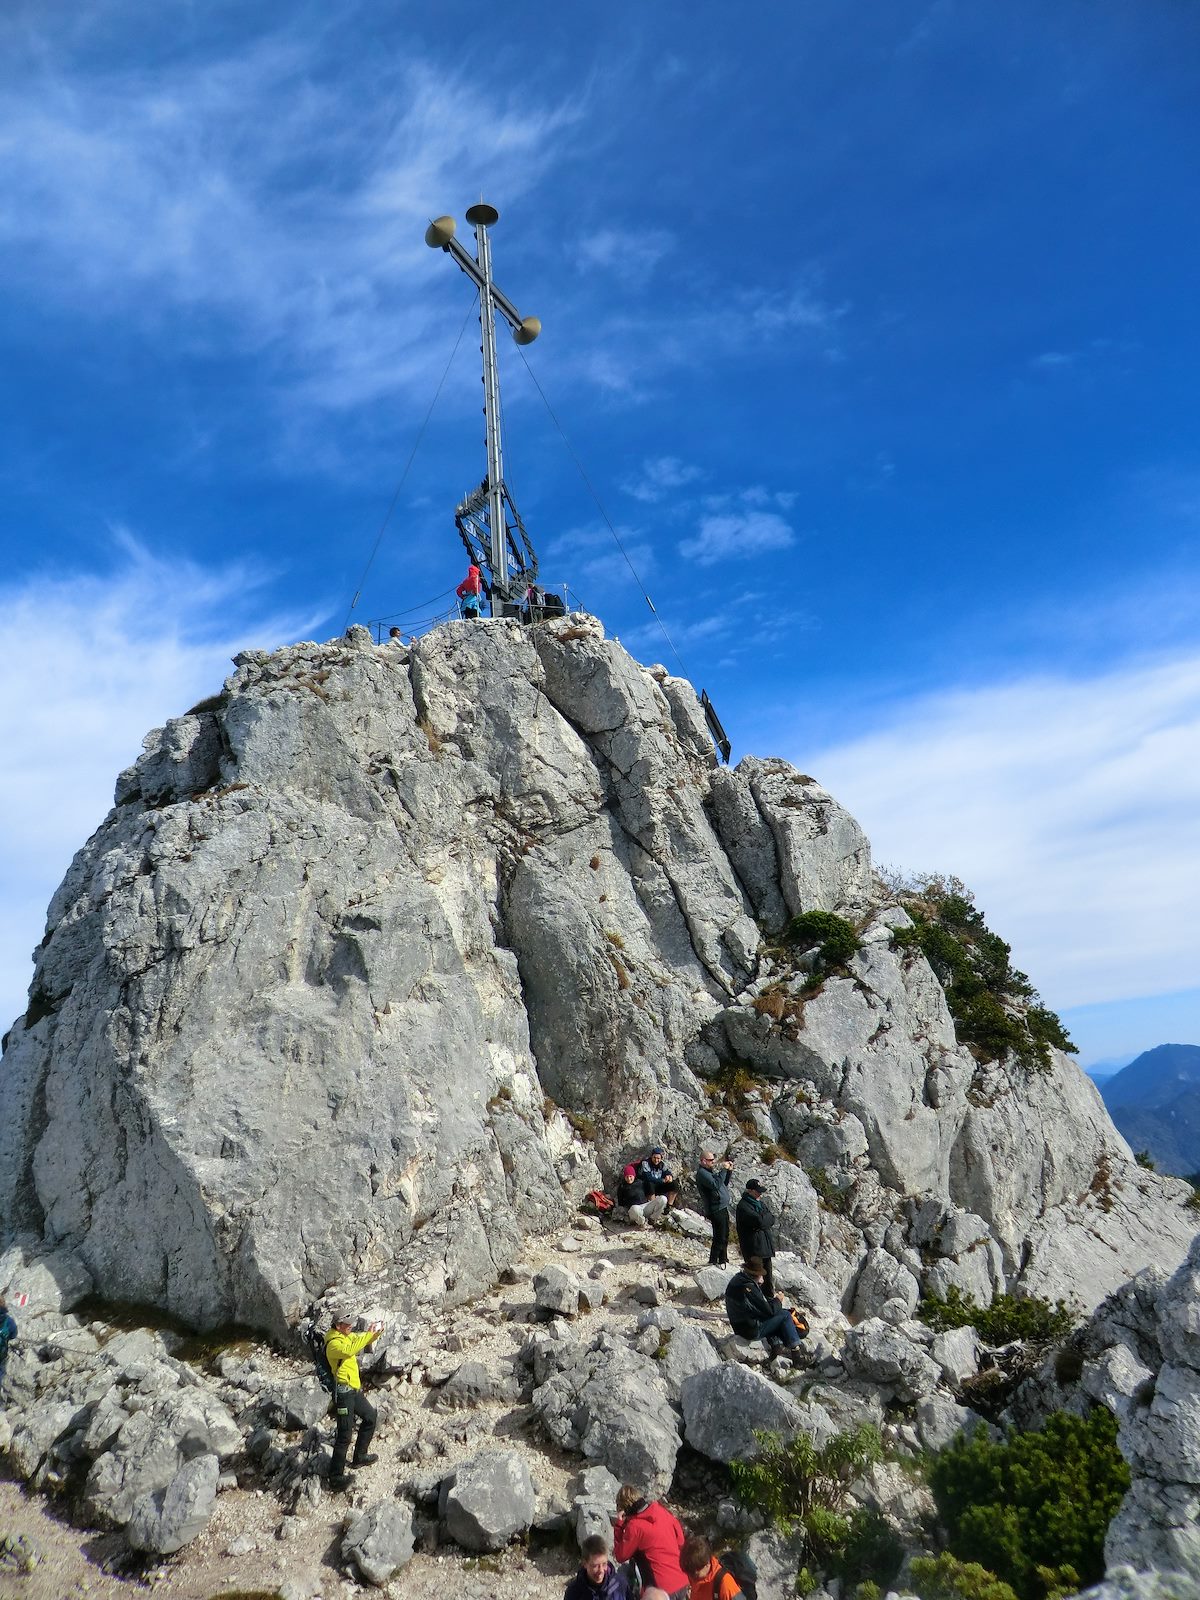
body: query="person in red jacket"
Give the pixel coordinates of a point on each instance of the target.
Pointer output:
(646, 1532)
(469, 590)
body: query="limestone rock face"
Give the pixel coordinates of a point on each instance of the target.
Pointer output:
(384, 956)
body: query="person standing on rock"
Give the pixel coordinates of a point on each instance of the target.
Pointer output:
(8, 1332)
(469, 591)
(713, 1183)
(646, 1533)
(707, 1578)
(597, 1578)
(754, 1223)
(341, 1351)
(752, 1315)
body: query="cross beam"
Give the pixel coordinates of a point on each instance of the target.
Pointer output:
(508, 588)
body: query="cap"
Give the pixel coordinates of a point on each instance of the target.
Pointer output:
(629, 1172)
(756, 1186)
(658, 1150)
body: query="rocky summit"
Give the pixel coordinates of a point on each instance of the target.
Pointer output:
(385, 956)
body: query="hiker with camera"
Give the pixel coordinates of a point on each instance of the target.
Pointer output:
(342, 1347)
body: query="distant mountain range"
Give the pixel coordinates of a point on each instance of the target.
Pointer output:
(1155, 1102)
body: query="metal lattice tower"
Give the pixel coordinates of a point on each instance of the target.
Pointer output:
(487, 519)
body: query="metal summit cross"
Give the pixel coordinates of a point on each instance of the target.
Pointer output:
(498, 545)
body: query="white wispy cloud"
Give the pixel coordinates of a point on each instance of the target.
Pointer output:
(627, 254)
(255, 201)
(661, 476)
(722, 536)
(1070, 805)
(92, 663)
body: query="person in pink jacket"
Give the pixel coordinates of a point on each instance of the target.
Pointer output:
(469, 591)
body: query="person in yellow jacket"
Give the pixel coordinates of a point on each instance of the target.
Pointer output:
(341, 1351)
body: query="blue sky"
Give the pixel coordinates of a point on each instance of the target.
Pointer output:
(873, 326)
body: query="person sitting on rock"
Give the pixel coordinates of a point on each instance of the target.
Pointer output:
(755, 1220)
(753, 1316)
(640, 1206)
(342, 1346)
(597, 1578)
(658, 1179)
(8, 1332)
(707, 1578)
(646, 1533)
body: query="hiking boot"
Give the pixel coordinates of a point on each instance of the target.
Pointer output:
(339, 1484)
(364, 1461)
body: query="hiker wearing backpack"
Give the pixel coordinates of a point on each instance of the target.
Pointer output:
(342, 1347)
(646, 1533)
(8, 1332)
(729, 1576)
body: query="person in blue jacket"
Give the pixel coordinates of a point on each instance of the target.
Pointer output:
(8, 1332)
(597, 1578)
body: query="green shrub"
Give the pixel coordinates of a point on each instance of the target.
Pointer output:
(831, 1194)
(1034, 1508)
(802, 1488)
(789, 1479)
(944, 1577)
(973, 966)
(1008, 1317)
(1145, 1159)
(836, 937)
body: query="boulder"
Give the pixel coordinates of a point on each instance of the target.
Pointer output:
(956, 1352)
(164, 1520)
(557, 1290)
(152, 1446)
(610, 1403)
(487, 1500)
(879, 1354)
(380, 1541)
(725, 1405)
(883, 1279)
(712, 1281)
(689, 1350)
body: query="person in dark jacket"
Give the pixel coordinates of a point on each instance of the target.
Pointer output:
(649, 1535)
(658, 1177)
(641, 1205)
(597, 1578)
(8, 1332)
(755, 1220)
(713, 1183)
(753, 1316)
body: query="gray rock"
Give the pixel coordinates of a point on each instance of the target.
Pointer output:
(883, 1279)
(380, 1541)
(1123, 1583)
(724, 1406)
(610, 1403)
(883, 1355)
(35, 1433)
(153, 1446)
(689, 1351)
(166, 1519)
(957, 1353)
(940, 1420)
(487, 1500)
(556, 1290)
(712, 1281)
